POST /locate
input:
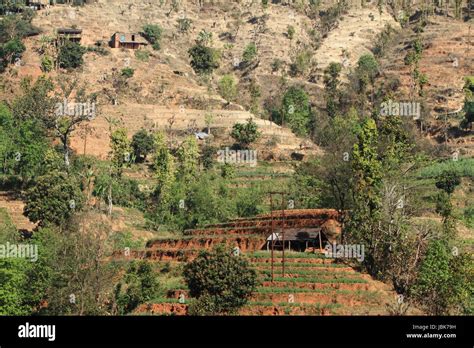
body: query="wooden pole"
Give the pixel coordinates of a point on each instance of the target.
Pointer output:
(283, 232)
(320, 244)
(320, 241)
(271, 228)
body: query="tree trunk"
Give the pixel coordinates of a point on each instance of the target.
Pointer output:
(66, 152)
(109, 200)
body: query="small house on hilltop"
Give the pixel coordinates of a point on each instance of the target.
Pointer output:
(70, 34)
(130, 41)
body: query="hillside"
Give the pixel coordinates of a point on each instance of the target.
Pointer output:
(301, 85)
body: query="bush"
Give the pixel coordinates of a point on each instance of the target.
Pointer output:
(221, 282)
(142, 144)
(47, 64)
(152, 33)
(70, 55)
(204, 60)
(127, 72)
(448, 181)
(227, 88)
(301, 63)
(11, 51)
(53, 199)
(444, 284)
(250, 53)
(290, 32)
(227, 171)
(295, 111)
(184, 24)
(245, 134)
(138, 286)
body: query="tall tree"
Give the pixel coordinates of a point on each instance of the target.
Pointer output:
(331, 84)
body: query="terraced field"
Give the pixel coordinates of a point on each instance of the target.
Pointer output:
(311, 284)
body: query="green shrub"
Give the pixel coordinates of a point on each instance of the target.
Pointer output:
(142, 144)
(70, 55)
(54, 198)
(221, 282)
(139, 285)
(301, 63)
(290, 32)
(250, 53)
(295, 111)
(448, 181)
(227, 87)
(127, 72)
(204, 60)
(47, 64)
(184, 24)
(445, 282)
(245, 134)
(10, 52)
(152, 33)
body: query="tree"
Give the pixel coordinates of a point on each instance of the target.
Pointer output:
(221, 282)
(255, 94)
(250, 53)
(152, 33)
(207, 201)
(245, 134)
(331, 83)
(165, 170)
(204, 60)
(188, 159)
(138, 286)
(227, 88)
(13, 273)
(120, 150)
(367, 166)
(448, 181)
(10, 52)
(13, 281)
(53, 199)
(445, 282)
(412, 59)
(36, 103)
(70, 114)
(296, 111)
(207, 156)
(366, 191)
(82, 283)
(22, 145)
(290, 32)
(468, 102)
(142, 144)
(366, 71)
(70, 55)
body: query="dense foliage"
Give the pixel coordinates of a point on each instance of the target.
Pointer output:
(221, 282)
